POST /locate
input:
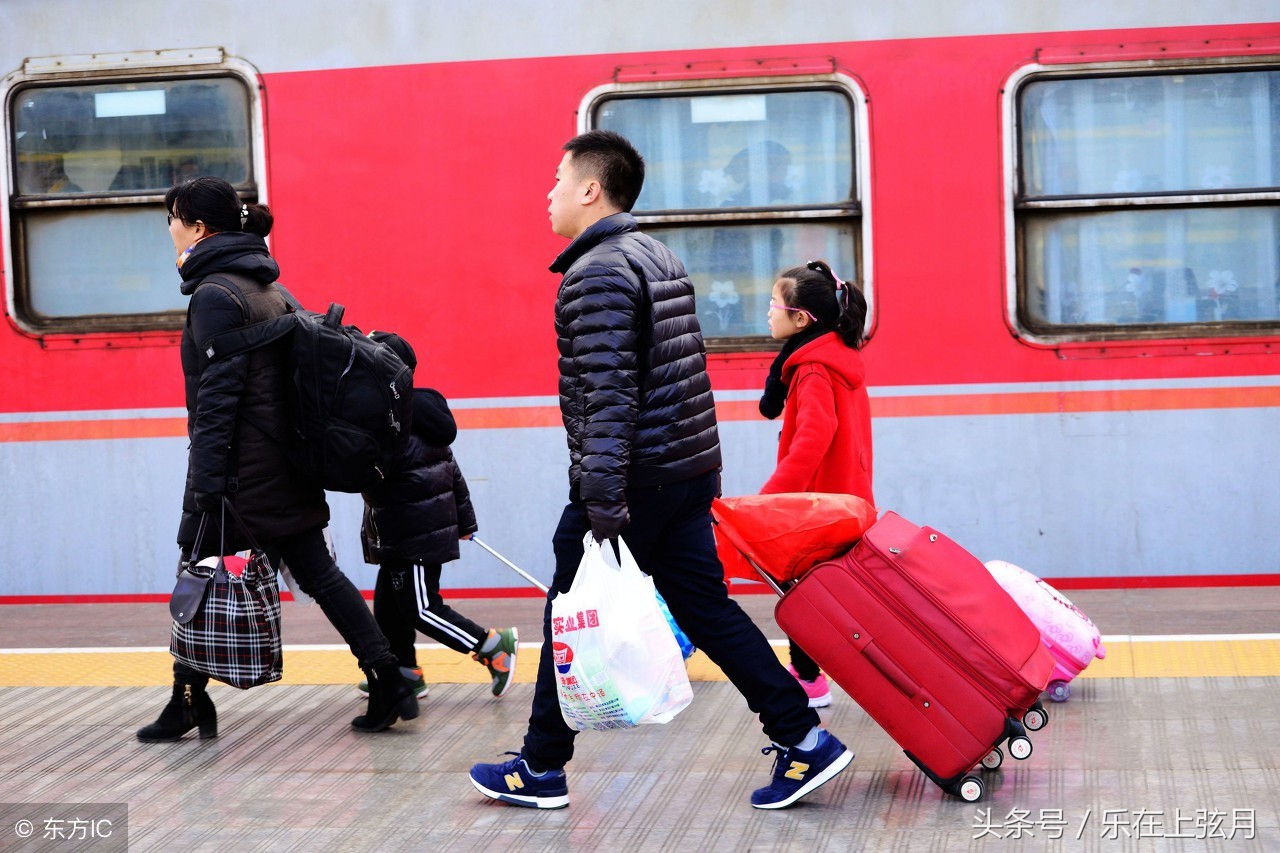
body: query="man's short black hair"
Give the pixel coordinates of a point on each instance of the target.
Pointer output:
(613, 161)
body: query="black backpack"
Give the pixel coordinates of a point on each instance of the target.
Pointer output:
(350, 403)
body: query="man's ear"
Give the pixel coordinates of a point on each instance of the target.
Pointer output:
(591, 192)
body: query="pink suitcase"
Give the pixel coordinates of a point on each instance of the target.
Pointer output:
(1072, 638)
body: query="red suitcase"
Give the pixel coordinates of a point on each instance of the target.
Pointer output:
(916, 630)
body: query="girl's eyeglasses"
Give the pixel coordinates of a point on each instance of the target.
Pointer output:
(789, 308)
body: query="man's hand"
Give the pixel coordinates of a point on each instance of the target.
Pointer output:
(608, 518)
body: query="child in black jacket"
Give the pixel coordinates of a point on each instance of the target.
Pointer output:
(412, 524)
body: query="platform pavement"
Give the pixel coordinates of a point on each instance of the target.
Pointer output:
(1176, 749)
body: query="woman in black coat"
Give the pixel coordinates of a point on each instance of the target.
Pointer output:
(236, 423)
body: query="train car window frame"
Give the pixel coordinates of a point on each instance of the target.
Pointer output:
(831, 226)
(1144, 233)
(84, 262)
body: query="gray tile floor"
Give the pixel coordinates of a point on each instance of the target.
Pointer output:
(1126, 765)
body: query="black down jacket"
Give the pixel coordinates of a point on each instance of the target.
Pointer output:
(419, 512)
(634, 391)
(235, 407)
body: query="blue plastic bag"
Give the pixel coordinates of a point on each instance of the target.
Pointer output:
(686, 645)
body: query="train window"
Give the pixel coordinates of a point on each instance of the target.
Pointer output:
(91, 162)
(1148, 203)
(742, 184)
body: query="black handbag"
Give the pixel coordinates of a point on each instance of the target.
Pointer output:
(226, 614)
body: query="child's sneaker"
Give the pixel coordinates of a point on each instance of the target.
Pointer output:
(514, 783)
(818, 691)
(413, 676)
(501, 661)
(797, 771)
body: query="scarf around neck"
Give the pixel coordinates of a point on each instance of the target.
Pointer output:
(226, 251)
(775, 390)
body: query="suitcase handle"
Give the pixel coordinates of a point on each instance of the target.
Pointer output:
(890, 670)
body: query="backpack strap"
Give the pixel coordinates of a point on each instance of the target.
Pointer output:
(207, 351)
(252, 335)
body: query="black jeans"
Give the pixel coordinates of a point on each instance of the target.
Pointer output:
(407, 599)
(670, 537)
(805, 666)
(318, 576)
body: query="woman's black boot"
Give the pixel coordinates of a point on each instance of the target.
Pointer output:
(189, 707)
(391, 697)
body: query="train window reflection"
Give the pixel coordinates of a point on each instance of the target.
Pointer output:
(1161, 133)
(749, 150)
(1149, 202)
(1151, 267)
(733, 269)
(742, 184)
(130, 137)
(91, 163)
(123, 263)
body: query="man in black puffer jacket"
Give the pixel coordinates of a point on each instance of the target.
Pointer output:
(644, 463)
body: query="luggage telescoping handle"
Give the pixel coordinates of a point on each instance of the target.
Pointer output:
(521, 572)
(728, 532)
(765, 575)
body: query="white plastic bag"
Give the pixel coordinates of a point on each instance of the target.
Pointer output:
(618, 665)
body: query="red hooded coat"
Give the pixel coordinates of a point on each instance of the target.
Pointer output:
(826, 425)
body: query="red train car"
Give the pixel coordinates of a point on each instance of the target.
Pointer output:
(1067, 225)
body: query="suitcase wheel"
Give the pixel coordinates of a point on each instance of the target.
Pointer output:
(1059, 691)
(1036, 718)
(970, 789)
(1020, 747)
(993, 759)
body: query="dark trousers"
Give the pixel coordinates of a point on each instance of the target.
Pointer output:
(805, 666)
(312, 566)
(670, 537)
(406, 599)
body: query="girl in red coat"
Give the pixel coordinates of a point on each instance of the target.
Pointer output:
(818, 380)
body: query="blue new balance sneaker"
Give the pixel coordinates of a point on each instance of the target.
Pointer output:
(797, 772)
(514, 783)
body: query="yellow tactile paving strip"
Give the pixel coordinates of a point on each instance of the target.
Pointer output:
(1146, 657)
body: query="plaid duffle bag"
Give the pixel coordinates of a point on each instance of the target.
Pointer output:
(226, 617)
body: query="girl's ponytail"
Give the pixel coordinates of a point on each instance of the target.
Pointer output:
(853, 313)
(845, 314)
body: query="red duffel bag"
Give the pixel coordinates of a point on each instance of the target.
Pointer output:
(788, 533)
